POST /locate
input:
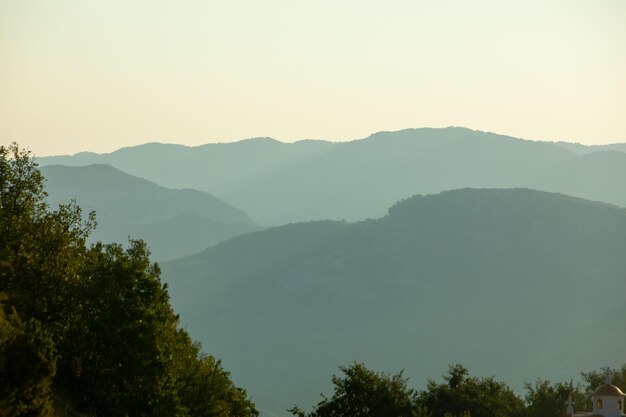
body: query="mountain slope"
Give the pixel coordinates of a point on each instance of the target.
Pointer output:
(215, 168)
(518, 280)
(174, 223)
(277, 183)
(360, 179)
(579, 148)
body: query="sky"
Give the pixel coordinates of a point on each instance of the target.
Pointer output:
(99, 75)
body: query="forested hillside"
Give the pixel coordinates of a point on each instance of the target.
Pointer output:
(514, 282)
(518, 279)
(173, 223)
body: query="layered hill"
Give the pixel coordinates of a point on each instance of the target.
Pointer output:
(216, 167)
(526, 281)
(277, 183)
(173, 222)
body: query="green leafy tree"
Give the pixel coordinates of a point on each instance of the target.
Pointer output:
(40, 256)
(40, 249)
(27, 365)
(205, 388)
(91, 328)
(544, 399)
(592, 380)
(116, 358)
(361, 392)
(462, 395)
(127, 356)
(595, 379)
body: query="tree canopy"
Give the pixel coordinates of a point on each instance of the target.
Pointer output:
(545, 399)
(361, 392)
(90, 330)
(461, 394)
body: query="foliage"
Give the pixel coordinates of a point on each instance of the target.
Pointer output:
(129, 356)
(90, 327)
(461, 395)
(594, 379)
(39, 249)
(544, 399)
(205, 387)
(115, 360)
(361, 392)
(27, 365)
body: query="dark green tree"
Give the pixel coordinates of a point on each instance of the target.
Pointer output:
(205, 388)
(461, 394)
(592, 380)
(127, 356)
(115, 360)
(40, 249)
(90, 330)
(544, 399)
(40, 258)
(595, 379)
(361, 392)
(27, 365)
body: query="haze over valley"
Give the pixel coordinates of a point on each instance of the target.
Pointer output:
(312, 209)
(174, 223)
(277, 183)
(406, 250)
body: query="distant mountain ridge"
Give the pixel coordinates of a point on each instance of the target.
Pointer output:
(213, 167)
(278, 183)
(522, 280)
(580, 148)
(173, 222)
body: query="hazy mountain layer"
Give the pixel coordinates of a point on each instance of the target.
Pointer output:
(515, 283)
(277, 183)
(174, 223)
(579, 148)
(216, 167)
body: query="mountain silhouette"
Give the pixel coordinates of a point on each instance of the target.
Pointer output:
(278, 183)
(522, 280)
(174, 223)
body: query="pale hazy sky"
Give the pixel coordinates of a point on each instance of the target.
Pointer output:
(98, 75)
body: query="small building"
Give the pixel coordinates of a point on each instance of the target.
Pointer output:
(608, 401)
